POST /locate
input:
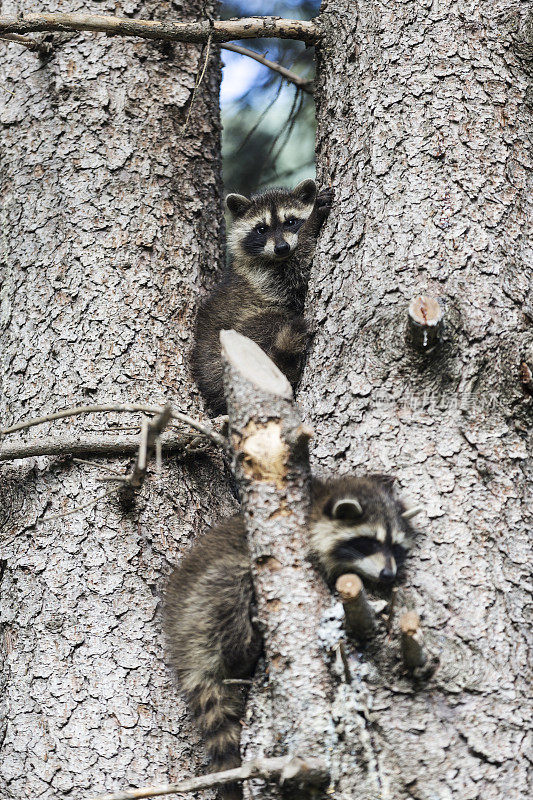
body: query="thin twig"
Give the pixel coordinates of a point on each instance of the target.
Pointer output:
(281, 769)
(116, 407)
(199, 80)
(100, 466)
(302, 83)
(207, 430)
(92, 502)
(77, 411)
(285, 130)
(259, 120)
(222, 30)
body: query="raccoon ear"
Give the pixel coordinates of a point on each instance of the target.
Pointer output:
(237, 204)
(305, 192)
(347, 508)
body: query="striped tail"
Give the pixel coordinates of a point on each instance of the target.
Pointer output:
(217, 708)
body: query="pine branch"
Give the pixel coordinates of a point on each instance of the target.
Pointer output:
(302, 83)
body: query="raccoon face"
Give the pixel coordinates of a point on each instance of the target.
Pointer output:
(358, 526)
(267, 226)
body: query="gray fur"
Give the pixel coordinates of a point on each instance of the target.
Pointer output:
(208, 609)
(263, 294)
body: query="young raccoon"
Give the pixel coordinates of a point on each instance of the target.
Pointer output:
(355, 525)
(271, 245)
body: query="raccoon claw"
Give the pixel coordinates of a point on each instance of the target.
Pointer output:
(323, 202)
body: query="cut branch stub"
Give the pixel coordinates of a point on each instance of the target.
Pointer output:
(360, 618)
(253, 363)
(412, 644)
(425, 321)
(270, 462)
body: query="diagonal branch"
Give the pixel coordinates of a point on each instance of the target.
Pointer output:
(302, 83)
(220, 30)
(302, 770)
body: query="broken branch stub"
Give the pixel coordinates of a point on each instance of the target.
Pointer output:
(270, 463)
(412, 644)
(360, 618)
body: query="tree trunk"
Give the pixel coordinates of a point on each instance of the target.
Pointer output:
(423, 133)
(110, 223)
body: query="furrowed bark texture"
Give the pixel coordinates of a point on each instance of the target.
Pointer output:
(270, 457)
(424, 133)
(109, 218)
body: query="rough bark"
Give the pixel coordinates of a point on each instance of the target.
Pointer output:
(424, 133)
(271, 465)
(110, 224)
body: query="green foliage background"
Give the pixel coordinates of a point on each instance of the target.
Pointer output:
(269, 126)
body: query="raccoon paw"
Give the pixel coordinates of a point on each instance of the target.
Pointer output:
(323, 202)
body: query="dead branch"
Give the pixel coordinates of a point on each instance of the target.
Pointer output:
(101, 446)
(360, 618)
(78, 410)
(151, 430)
(300, 770)
(270, 462)
(289, 75)
(199, 32)
(207, 430)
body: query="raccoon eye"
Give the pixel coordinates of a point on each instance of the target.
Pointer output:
(290, 222)
(261, 228)
(366, 545)
(399, 553)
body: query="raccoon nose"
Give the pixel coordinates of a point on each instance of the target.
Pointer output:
(387, 575)
(282, 249)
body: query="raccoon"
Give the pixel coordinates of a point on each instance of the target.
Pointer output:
(271, 245)
(355, 525)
